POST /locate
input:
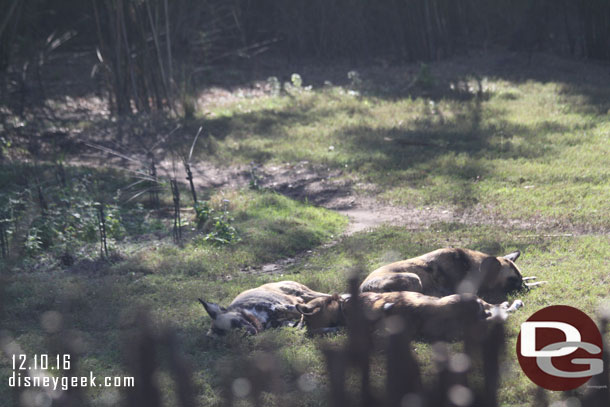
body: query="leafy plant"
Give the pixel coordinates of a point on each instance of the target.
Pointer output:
(296, 80)
(255, 179)
(295, 86)
(222, 231)
(355, 79)
(216, 225)
(57, 214)
(202, 213)
(5, 145)
(274, 85)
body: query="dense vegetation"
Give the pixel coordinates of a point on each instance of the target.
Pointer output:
(150, 53)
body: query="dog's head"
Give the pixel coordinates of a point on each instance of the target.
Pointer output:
(500, 274)
(323, 312)
(224, 320)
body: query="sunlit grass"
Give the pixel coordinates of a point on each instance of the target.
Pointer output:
(525, 149)
(99, 307)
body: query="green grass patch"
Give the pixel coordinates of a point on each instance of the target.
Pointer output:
(99, 309)
(521, 149)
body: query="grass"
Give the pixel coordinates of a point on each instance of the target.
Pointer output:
(164, 278)
(529, 148)
(99, 309)
(520, 149)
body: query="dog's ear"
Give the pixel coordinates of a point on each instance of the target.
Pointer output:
(212, 309)
(306, 309)
(490, 268)
(513, 256)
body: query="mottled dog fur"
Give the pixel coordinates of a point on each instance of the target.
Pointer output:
(422, 315)
(270, 305)
(449, 271)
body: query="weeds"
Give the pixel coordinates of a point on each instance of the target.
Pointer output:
(203, 212)
(355, 80)
(61, 213)
(216, 225)
(255, 179)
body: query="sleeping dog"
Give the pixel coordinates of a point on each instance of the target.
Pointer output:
(270, 305)
(450, 271)
(431, 317)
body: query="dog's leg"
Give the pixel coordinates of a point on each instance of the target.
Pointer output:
(510, 308)
(501, 311)
(536, 284)
(515, 306)
(300, 324)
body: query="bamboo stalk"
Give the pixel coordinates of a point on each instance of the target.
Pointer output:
(8, 16)
(155, 38)
(168, 44)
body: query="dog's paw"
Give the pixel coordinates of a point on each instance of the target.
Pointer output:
(497, 313)
(515, 306)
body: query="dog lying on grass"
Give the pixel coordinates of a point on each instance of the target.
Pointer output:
(423, 315)
(267, 306)
(450, 271)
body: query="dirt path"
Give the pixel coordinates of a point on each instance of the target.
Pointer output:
(334, 190)
(320, 186)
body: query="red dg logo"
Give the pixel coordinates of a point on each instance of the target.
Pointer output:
(560, 348)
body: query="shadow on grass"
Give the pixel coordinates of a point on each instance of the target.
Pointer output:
(456, 150)
(450, 152)
(99, 314)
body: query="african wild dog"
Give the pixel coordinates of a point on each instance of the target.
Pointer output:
(270, 305)
(423, 315)
(449, 271)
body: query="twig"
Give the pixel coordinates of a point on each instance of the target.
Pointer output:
(3, 240)
(193, 145)
(102, 227)
(168, 44)
(177, 222)
(154, 193)
(187, 167)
